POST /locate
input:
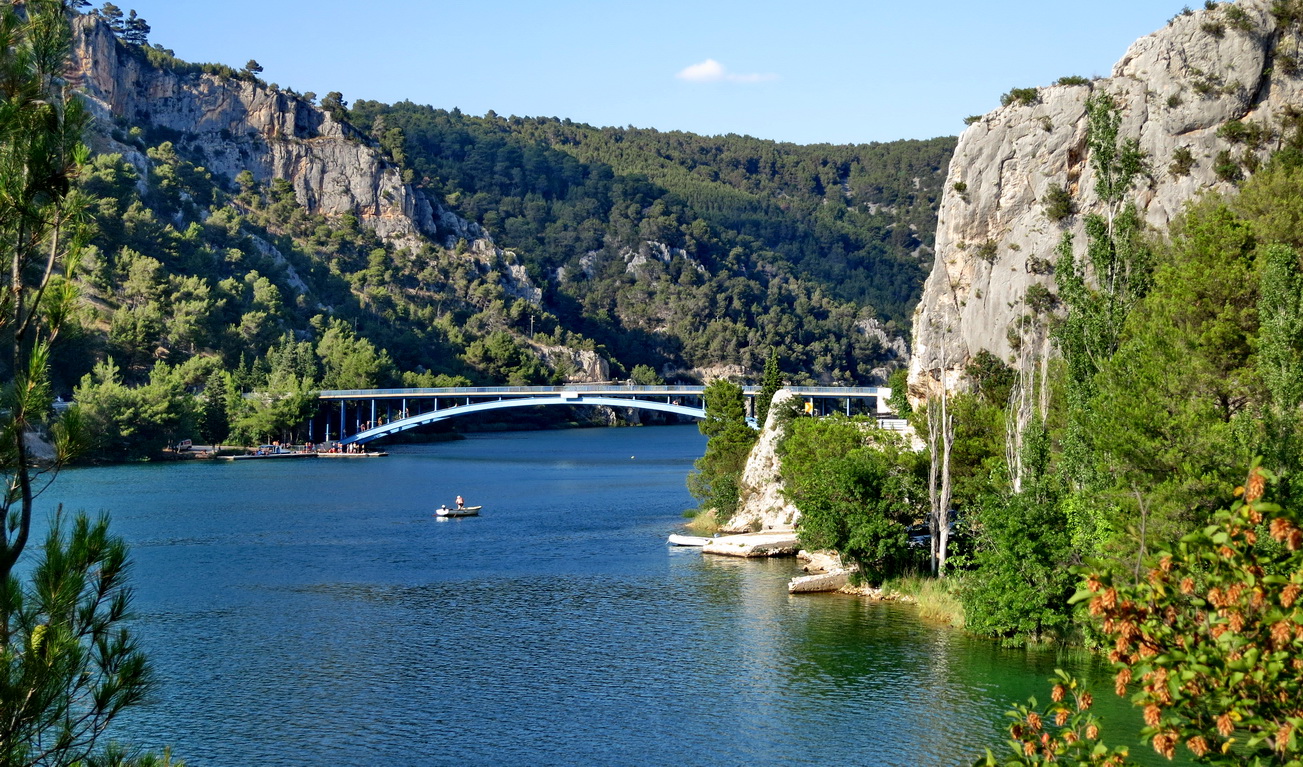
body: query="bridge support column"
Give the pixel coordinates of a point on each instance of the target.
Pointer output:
(342, 416)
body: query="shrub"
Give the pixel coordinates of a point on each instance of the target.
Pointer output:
(1208, 639)
(1238, 19)
(1038, 265)
(987, 251)
(1226, 168)
(1039, 298)
(1233, 131)
(1058, 203)
(1021, 96)
(1072, 80)
(1174, 101)
(1214, 28)
(1182, 161)
(1288, 64)
(969, 120)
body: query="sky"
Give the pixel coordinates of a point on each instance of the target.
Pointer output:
(806, 71)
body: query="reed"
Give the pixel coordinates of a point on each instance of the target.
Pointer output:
(935, 601)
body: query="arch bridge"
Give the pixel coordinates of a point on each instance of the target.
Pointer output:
(363, 415)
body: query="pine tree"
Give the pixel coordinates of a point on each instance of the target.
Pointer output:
(134, 30)
(67, 666)
(769, 384)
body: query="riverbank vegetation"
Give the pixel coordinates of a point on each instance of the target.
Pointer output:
(1087, 470)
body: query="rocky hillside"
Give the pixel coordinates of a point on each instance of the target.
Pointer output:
(480, 247)
(230, 125)
(1208, 97)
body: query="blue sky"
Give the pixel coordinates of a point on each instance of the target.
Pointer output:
(812, 71)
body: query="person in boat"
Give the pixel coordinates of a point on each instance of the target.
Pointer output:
(460, 503)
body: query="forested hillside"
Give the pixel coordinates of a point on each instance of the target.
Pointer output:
(853, 220)
(498, 251)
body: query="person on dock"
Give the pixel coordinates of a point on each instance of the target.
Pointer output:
(460, 503)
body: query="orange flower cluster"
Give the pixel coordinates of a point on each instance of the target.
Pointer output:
(1214, 602)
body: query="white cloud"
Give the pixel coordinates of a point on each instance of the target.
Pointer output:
(711, 71)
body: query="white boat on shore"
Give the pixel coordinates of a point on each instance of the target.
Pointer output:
(688, 540)
(466, 511)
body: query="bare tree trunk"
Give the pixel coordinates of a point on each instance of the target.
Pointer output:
(941, 437)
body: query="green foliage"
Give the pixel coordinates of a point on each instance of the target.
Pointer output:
(857, 489)
(1021, 585)
(276, 411)
(715, 480)
(969, 120)
(1021, 96)
(68, 664)
(644, 375)
(992, 379)
(129, 423)
(1226, 168)
(42, 233)
(214, 420)
(1280, 365)
(1072, 80)
(1116, 161)
(1182, 161)
(1120, 265)
(987, 251)
(1058, 203)
(1064, 731)
(839, 220)
(770, 383)
(1164, 416)
(1208, 635)
(898, 382)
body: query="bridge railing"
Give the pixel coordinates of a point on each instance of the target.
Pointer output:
(484, 391)
(487, 391)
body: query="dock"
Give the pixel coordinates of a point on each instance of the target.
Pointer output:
(265, 456)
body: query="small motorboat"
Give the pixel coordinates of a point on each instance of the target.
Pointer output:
(465, 511)
(688, 540)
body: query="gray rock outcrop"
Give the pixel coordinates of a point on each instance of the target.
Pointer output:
(1177, 88)
(236, 125)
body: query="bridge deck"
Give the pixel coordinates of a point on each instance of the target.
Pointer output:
(609, 389)
(369, 423)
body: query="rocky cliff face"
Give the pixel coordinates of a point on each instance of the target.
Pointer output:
(1177, 88)
(763, 506)
(236, 125)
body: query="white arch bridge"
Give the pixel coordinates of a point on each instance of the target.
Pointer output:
(362, 415)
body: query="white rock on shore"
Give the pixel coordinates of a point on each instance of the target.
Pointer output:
(770, 544)
(762, 505)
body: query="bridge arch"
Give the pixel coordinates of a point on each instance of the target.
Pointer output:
(434, 416)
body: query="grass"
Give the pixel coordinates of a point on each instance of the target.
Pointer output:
(702, 523)
(935, 601)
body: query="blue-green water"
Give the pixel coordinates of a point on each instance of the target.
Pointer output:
(315, 612)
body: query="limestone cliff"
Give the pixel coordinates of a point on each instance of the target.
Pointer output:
(233, 125)
(763, 506)
(1177, 89)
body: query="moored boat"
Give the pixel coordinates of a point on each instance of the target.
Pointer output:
(688, 540)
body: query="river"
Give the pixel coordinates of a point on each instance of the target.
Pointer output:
(311, 612)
